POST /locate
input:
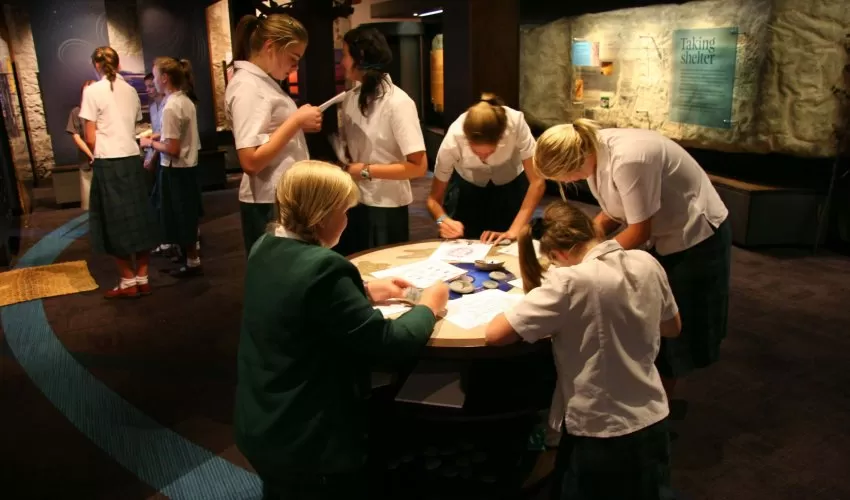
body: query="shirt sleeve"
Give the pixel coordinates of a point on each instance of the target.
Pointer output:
(639, 186)
(525, 142)
(88, 107)
(406, 128)
(541, 312)
(356, 326)
(139, 116)
(669, 307)
(250, 117)
(73, 126)
(447, 157)
(170, 124)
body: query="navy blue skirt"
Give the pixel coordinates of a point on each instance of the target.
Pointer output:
(699, 278)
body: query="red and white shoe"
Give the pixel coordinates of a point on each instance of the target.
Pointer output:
(131, 292)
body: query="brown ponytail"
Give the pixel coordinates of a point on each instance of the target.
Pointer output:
(105, 59)
(562, 227)
(179, 74)
(188, 86)
(252, 32)
(486, 120)
(372, 56)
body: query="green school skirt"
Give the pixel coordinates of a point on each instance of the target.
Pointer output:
(631, 467)
(699, 278)
(121, 218)
(371, 227)
(180, 202)
(255, 221)
(488, 208)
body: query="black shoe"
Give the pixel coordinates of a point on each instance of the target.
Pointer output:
(187, 272)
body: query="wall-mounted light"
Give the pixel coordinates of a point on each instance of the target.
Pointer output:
(429, 13)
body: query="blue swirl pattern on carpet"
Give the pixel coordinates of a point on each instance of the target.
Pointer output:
(158, 456)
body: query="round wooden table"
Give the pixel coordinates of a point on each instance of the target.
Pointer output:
(446, 334)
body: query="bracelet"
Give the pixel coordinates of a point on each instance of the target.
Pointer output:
(366, 289)
(440, 219)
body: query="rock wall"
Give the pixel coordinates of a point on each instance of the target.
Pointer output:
(22, 48)
(122, 26)
(789, 57)
(218, 28)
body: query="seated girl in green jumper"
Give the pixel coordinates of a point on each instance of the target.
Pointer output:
(605, 310)
(309, 335)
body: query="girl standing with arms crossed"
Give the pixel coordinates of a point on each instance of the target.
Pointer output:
(384, 139)
(605, 309)
(178, 145)
(492, 150)
(665, 199)
(122, 221)
(268, 127)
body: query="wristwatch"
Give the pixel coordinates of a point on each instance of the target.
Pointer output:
(440, 219)
(365, 173)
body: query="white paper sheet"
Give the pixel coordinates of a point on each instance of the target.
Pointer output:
(330, 102)
(391, 309)
(461, 251)
(513, 249)
(479, 308)
(517, 283)
(422, 274)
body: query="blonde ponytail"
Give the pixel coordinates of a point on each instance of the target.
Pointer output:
(106, 59)
(486, 120)
(563, 149)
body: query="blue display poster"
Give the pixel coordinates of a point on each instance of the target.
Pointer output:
(704, 76)
(585, 53)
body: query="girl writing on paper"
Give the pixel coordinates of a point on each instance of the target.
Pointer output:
(309, 336)
(178, 144)
(605, 309)
(490, 150)
(268, 127)
(651, 185)
(121, 219)
(76, 130)
(380, 127)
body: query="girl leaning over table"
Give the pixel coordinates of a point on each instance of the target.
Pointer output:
(489, 150)
(309, 336)
(665, 200)
(605, 309)
(383, 136)
(178, 145)
(121, 219)
(268, 127)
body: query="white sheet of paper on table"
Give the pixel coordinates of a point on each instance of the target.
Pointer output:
(461, 251)
(516, 283)
(513, 249)
(422, 274)
(391, 309)
(479, 308)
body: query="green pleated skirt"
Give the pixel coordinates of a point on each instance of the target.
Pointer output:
(180, 205)
(370, 227)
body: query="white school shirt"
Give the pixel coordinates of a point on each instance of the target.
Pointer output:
(256, 106)
(641, 174)
(503, 166)
(155, 110)
(115, 113)
(180, 121)
(604, 318)
(387, 135)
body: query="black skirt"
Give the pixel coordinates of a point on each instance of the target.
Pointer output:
(631, 467)
(256, 218)
(121, 218)
(370, 227)
(699, 279)
(489, 208)
(180, 203)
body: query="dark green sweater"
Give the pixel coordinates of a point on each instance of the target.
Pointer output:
(309, 336)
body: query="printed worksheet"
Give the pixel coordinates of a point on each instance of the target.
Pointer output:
(479, 308)
(392, 309)
(422, 274)
(513, 249)
(462, 251)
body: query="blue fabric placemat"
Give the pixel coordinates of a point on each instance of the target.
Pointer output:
(479, 277)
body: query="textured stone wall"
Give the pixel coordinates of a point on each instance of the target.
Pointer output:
(122, 25)
(23, 51)
(789, 56)
(218, 27)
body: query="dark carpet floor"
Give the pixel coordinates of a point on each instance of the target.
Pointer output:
(770, 421)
